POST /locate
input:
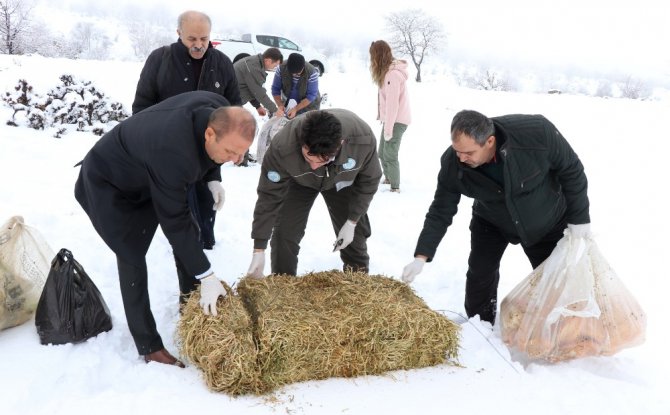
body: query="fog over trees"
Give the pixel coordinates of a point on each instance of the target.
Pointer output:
(128, 30)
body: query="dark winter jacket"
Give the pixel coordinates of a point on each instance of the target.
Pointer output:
(168, 71)
(543, 182)
(136, 177)
(356, 165)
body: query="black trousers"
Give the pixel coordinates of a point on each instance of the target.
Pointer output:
(201, 201)
(292, 221)
(135, 295)
(487, 246)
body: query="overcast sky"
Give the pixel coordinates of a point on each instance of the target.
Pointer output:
(628, 35)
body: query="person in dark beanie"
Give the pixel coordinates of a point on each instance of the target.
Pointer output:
(528, 186)
(296, 81)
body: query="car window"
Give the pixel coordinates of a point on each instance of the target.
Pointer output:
(267, 40)
(287, 44)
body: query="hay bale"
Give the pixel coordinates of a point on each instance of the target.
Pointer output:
(222, 347)
(330, 324)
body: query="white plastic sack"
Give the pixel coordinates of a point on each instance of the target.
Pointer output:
(572, 305)
(270, 128)
(25, 260)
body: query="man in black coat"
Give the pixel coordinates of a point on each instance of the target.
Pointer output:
(528, 185)
(136, 177)
(190, 64)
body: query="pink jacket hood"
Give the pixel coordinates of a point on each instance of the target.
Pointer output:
(394, 98)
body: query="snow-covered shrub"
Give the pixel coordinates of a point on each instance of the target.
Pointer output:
(77, 103)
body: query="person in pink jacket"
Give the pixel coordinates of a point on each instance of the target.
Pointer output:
(390, 75)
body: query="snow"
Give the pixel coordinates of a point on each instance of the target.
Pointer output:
(621, 143)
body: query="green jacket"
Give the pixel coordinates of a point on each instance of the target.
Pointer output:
(356, 166)
(251, 76)
(543, 182)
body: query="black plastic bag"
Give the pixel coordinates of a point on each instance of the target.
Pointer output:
(71, 309)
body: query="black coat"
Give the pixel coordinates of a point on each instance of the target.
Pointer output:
(168, 71)
(544, 181)
(136, 176)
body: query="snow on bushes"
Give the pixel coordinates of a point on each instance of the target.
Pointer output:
(72, 103)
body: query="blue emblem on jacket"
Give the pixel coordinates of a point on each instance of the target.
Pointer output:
(273, 176)
(350, 164)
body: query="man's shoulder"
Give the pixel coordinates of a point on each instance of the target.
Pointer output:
(218, 56)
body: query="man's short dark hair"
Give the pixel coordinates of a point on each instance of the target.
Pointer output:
(296, 63)
(273, 54)
(472, 124)
(321, 133)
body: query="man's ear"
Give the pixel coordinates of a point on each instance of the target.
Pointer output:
(210, 134)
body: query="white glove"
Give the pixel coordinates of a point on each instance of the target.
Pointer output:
(345, 236)
(218, 194)
(580, 231)
(257, 265)
(412, 269)
(210, 290)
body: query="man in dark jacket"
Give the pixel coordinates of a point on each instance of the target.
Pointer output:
(136, 177)
(296, 80)
(528, 185)
(190, 64)
(332, 153)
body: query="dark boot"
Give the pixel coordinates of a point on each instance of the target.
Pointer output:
(164, 357)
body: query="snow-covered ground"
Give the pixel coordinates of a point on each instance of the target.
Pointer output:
(621, 143)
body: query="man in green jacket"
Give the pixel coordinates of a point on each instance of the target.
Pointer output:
(328, 152)
(528, 185)
(251, 75)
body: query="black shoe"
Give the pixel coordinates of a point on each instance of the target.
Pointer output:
(163, 356)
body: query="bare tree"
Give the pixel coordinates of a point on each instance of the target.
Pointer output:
(634, 88)
(489, 80)
(145, 38)
(416, 34)
(14, 25)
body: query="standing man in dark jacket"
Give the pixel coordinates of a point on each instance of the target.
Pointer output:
(332, 153)
(136, 177)
(190, 64)
(528, 185)
(296, 80)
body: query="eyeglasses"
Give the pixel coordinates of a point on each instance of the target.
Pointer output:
(317, 158)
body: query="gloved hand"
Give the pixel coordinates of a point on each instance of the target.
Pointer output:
(218, 194)
(210, 290)
(412, 269)
(257, 265)
(346, 236)
(580, 231)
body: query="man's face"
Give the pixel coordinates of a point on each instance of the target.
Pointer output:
(229, 147)
(194, 34)
(315, 160)
(269, 64)
(471, 153)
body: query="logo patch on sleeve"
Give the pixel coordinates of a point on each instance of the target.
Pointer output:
(273, 176)
(350, 164)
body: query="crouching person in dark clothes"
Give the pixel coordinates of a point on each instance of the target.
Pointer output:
(528, 185)
(328, 152)
(137, 176)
